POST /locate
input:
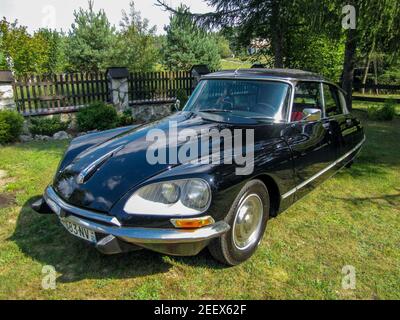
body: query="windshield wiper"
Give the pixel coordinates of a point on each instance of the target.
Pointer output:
(260, 117)
(214, 110)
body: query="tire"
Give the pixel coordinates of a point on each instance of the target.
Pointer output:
(231, 248)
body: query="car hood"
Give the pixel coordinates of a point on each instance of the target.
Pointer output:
(97, 177)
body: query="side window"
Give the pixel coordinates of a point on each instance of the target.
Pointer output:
(332, 101)
(307, 95)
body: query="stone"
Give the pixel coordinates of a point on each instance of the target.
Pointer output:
(6, 97)
(42, 138)
(25, 138)
(61, 135)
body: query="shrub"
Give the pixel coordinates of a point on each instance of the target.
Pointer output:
(385, 113)
(47, 126)
(126, 118)
(182, 97)
(11, 124)
(98, 116)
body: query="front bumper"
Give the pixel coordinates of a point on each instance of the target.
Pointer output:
(183, 242)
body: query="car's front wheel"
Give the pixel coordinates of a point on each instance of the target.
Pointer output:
(248, 218)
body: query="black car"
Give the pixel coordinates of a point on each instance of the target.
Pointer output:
(108, 191)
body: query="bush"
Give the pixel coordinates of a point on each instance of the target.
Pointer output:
(98, 116)
(182, 97)
(385, 113)
(47, 126)
(11, 124)
(126, 118)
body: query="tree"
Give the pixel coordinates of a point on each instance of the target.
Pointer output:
(55, 60)
(22, 53)
(187, 45)
(268, 19)
(91, 40)
(316, 53)
(224, 49)
(136, 48)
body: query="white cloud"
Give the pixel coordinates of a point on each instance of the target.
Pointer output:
(38, 13)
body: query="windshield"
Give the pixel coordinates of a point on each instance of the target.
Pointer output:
(246, 98)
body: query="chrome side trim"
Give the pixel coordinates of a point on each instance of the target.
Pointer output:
(154, 235)
(304, 183)
(95, 164)
(51, 194)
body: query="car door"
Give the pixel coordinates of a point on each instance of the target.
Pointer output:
(343, 125)
(310, 139)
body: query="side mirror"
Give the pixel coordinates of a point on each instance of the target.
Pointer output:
(177, 105)
(311, 114)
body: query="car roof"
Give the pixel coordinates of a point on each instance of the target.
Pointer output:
(284, 74)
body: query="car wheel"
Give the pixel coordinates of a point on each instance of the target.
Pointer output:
(248, 218)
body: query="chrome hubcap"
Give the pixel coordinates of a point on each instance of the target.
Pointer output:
(248, 221)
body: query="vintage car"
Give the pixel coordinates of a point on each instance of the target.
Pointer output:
(107, 192)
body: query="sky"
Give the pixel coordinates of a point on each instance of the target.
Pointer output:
(58, 14)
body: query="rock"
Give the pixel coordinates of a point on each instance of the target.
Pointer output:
(25, 138)
(42, 138)
(80, 134)
(61, 135)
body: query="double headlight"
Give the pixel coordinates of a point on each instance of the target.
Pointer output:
(179, 197)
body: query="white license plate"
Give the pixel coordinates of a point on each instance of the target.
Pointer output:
(79, 231)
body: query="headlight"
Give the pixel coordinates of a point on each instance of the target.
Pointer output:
(179, 197)
(170, 192)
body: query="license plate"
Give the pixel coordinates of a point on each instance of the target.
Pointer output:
(79, 231)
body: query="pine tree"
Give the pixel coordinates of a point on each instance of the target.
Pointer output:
(91, 40)
(187, 45)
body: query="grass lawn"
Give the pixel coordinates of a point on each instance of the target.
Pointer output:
(352, 219)
(233, 63)
(364, 105)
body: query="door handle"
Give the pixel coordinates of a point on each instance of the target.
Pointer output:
(326, 125)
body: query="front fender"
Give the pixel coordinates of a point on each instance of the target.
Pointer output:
(82, 143)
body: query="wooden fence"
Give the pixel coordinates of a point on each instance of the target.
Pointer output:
(151, 87)
(49, 94)
(381, 88)
(64, 93)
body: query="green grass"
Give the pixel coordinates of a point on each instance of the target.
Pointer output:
(352, 219)
(232, 63)
(364, 105)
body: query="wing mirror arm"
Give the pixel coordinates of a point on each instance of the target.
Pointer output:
(312, 114)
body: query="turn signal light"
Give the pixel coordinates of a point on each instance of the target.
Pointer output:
(192, 223)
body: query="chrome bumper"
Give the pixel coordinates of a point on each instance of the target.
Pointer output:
(170, 241)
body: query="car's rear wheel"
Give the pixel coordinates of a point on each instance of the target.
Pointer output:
(248, 218)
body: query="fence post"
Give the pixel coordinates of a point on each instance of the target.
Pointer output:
(118, 87)
(6, 91)
(197, 72)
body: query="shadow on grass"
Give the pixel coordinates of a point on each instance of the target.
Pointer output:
(390, 199)
(44, 239)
